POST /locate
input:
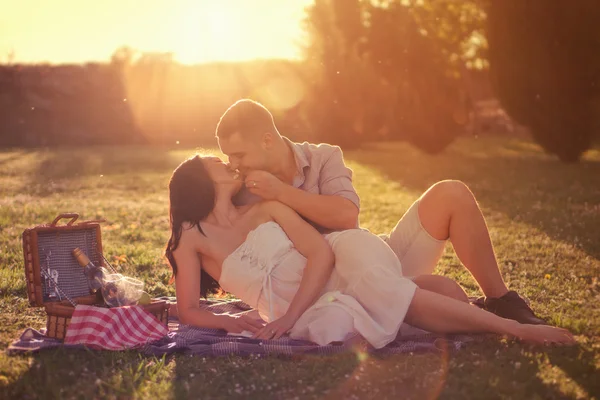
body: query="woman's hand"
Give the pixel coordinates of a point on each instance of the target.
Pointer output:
(544, 334)
(277, 328)
(240, 323)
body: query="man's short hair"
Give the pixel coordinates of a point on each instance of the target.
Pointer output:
(248, 117)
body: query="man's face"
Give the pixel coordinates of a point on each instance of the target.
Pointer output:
(245, 155)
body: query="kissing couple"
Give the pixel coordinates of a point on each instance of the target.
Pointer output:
(277, 227)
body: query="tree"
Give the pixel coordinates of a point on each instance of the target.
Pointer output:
(340, 81)
(390, 69)
(545, 69)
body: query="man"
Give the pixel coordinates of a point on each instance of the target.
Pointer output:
(314, 181)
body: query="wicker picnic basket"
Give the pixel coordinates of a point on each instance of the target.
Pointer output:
(55, 280)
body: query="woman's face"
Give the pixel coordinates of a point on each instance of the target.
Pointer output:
(221, 173)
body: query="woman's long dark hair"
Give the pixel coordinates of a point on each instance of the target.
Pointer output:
(192, 199)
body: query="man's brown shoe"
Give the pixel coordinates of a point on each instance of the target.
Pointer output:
(511, 306)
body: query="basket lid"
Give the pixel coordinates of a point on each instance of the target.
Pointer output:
(51, 270)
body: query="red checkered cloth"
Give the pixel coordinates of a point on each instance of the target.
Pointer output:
(117, 328)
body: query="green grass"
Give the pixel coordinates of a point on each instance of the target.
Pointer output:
(544, 219)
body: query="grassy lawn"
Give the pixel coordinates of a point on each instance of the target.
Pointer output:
(544, 219)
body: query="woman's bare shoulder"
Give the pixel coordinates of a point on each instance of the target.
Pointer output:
(191, 235)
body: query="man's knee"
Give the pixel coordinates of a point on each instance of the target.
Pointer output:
(449, 192)
(440, 203)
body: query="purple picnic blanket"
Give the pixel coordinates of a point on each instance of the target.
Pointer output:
(216, 342)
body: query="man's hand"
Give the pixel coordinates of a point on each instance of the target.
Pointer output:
(274, 330)
(264, 184)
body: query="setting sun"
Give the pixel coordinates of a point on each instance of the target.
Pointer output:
(194, 31)
(220, 31)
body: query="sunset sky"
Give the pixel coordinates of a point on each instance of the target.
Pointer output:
(60, 31)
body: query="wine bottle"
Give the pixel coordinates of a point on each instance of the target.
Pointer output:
(94, 274)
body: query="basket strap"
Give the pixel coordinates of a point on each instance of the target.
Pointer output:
(92, 221)
(114, 271)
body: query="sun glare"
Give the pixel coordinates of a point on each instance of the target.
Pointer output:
(210, 32)
(195, 31)
(201, 31)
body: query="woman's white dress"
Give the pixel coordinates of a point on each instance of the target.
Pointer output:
(366, 293)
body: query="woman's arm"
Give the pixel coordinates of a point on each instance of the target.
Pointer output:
(319, 263)
(187, 283)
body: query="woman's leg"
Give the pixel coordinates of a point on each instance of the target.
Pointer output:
(441, 285)
(372, 272)
(437, 313)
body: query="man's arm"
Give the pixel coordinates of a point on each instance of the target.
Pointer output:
(335, 208)
(337, 205)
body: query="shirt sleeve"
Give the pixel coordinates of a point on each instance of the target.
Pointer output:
(336, 179)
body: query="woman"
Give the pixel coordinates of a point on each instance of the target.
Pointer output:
(268, 256)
